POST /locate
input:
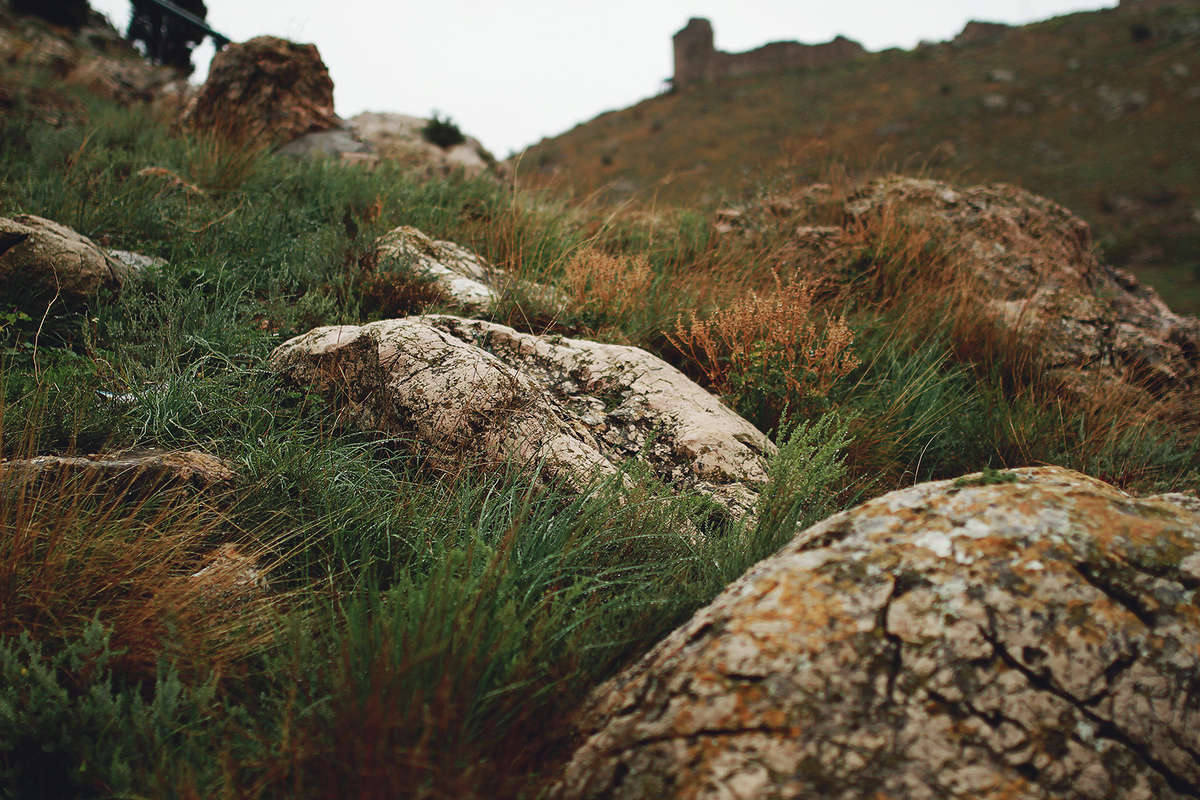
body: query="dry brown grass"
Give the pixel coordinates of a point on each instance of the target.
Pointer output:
(74, 551)
(771, 352)
(599, 283)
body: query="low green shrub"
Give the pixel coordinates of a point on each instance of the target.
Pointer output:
(442, 132)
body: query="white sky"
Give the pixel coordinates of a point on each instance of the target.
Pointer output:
(511, 72)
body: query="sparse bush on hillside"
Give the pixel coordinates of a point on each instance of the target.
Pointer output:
(442, 132)
(606, 289)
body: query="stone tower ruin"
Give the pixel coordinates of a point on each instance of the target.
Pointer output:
(698, 60)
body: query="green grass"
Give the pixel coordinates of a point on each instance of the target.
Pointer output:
(425, 635)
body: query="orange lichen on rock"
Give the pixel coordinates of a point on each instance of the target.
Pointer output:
(1026, 638)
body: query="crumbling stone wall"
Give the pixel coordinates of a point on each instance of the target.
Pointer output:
(1145, 5)
(697, 59)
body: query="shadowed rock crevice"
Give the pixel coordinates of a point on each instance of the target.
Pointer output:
(1105, 728)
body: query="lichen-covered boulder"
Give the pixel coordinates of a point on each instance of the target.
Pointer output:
(1032, 265)
(266, 90)
(398, 137)
(43, 262)
(475, 391)
(1019, 635)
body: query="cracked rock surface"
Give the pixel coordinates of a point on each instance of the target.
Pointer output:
(969, 639)
(478, 392)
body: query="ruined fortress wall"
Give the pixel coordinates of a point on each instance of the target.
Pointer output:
(696, 58)
(1140, 5)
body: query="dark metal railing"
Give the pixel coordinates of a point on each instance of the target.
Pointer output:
(187, 16)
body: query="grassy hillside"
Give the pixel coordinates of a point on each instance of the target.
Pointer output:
(1099, 111)
(425, 634)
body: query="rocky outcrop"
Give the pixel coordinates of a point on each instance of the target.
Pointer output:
(397, 137)
(266, 91)
(479, 392)
(1032, 265)
(1026, 634)
(42, 262)
(94, 56)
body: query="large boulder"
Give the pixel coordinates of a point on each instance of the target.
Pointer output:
(479, 392)
(43, 262)
(1034, 262)
(265, 91)
(1020, 635)
(398, 137)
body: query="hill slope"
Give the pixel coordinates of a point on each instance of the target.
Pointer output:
(1099, 111)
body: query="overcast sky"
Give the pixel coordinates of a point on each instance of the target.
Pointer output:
(511, 72)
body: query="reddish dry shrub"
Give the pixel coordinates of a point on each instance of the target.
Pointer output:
(770, 353)
(602, 283)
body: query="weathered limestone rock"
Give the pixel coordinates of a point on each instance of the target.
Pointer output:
(462, 278)
(266, 90)
(476, 391)
(341, 143)
(142, 470)
(398, 137)
(458, 276)
(1033, 265)
(129, 81)
(1020, 635)
(41, 260)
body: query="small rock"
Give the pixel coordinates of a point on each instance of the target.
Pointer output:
(462, 278)
(995, 102)
(230, 579)
(54, 264)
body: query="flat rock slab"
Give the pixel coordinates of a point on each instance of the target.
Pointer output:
(143, 470)
(1031, 634)
(479, 392)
